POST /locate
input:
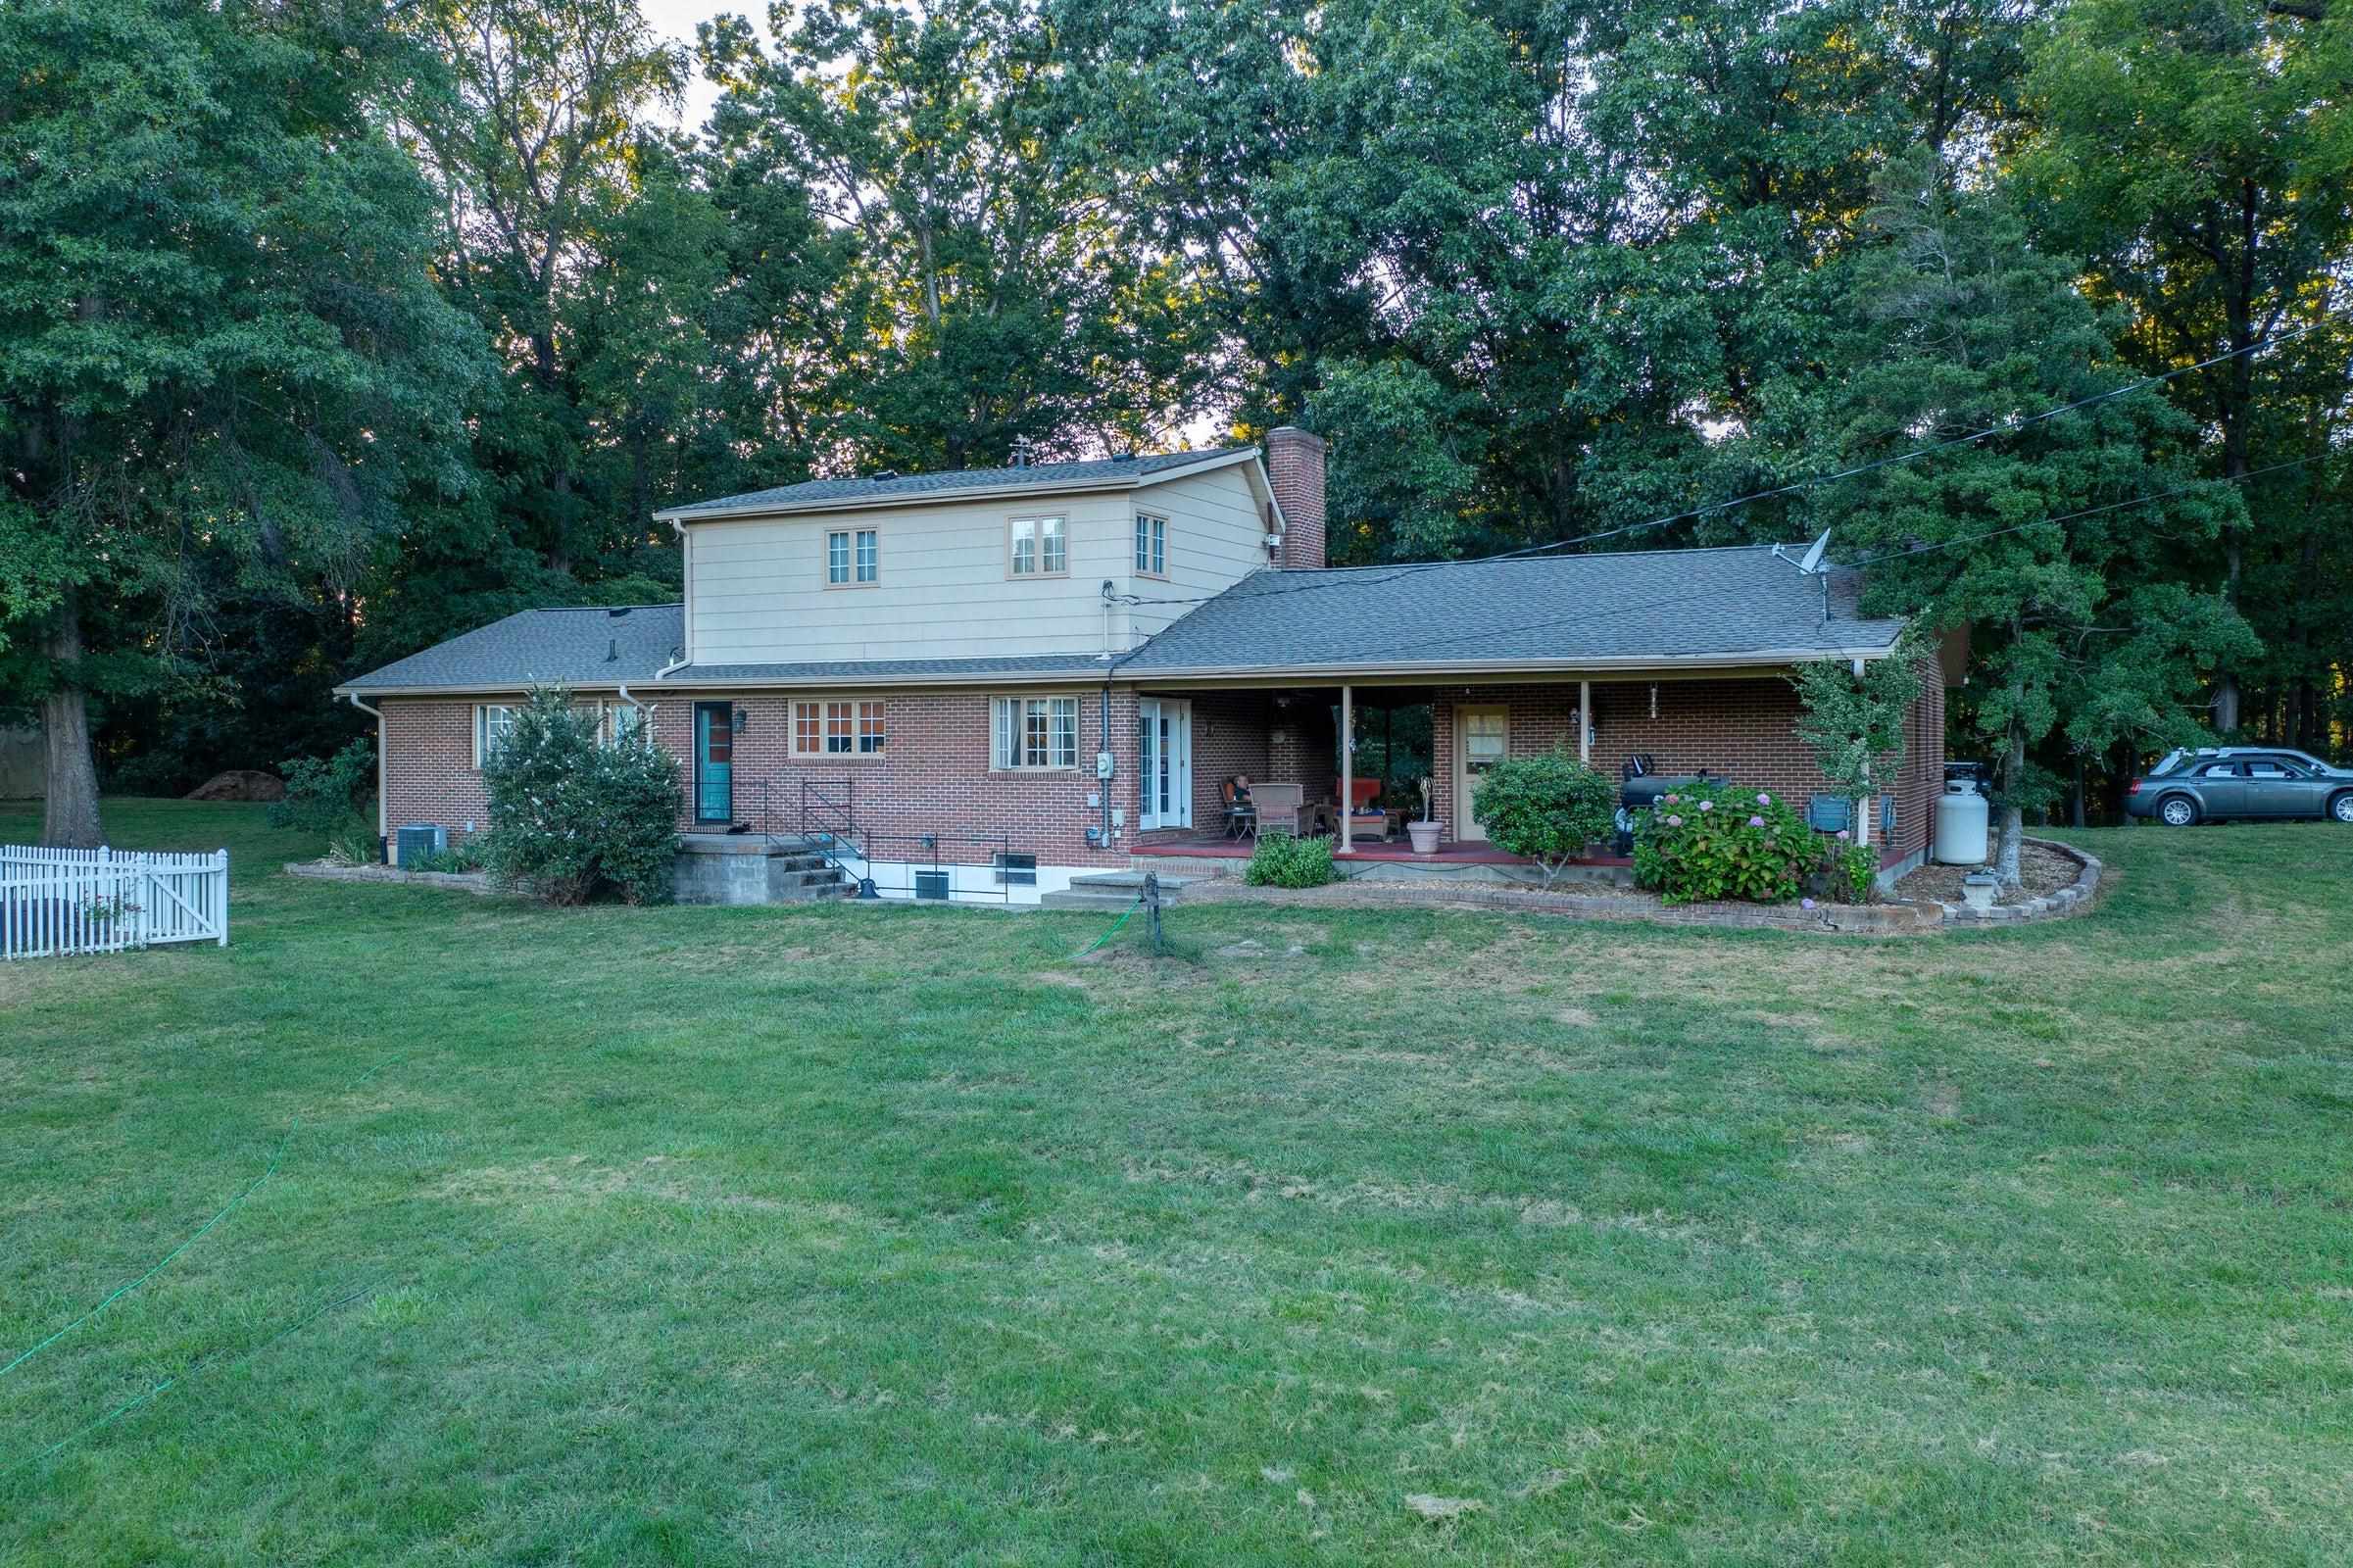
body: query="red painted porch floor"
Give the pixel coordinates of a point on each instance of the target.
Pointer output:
(1220, 849)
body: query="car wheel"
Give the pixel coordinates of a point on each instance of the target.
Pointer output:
(2176, 810)
(2342, 807)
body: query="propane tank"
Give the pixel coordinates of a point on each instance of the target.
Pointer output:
(1962, 815)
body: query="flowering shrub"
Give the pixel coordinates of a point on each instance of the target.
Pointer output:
(1713, 841)
(571, 815)
(1283, 862)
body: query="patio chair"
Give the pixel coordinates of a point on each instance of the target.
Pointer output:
(1278, 807)
(1241, 812)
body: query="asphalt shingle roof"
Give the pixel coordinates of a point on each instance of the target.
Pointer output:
(1653, 603)
(1660, 605)
(590, 645)
(816, 492)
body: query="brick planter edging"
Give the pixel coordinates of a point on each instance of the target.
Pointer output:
(1861, 919)
(2070, 900)
(322, 871)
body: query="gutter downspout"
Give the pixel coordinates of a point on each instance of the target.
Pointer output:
(382, 806)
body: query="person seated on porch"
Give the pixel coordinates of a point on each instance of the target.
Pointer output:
(1241, 816)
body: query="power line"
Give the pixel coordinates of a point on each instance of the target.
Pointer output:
(1931, 549)
(1796, 486)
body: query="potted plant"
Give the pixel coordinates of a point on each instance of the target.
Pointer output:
(1424, 833)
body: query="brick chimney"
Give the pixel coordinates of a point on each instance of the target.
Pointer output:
(1295, 466)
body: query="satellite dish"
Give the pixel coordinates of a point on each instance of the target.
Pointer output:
(1813, 556)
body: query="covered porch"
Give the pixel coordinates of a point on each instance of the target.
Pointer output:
(1374, 744)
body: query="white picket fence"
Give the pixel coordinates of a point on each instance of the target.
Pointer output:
(103, 900)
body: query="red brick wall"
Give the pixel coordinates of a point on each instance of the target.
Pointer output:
(429, 764)
(1742, 728)
(1295, 471)
(1229, 738)
(932, 775)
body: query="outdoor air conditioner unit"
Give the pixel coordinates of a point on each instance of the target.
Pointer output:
(415, 840)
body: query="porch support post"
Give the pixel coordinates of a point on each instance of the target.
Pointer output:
(1584, 721)
(1347, 768)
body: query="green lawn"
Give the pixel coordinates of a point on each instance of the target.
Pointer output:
(854, 1235)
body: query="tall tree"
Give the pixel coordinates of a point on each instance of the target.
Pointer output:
(986, 295)
(532, 129)
(2057, 541)
(2197, 154)
(221, 360)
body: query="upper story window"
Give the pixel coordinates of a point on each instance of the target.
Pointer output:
(1152, 546)
(1039, 547)
(852, 558)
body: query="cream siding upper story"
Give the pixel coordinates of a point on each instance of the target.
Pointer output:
(756, 590)
(1216, 536)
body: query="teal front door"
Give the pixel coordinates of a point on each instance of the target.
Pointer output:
(715, 762)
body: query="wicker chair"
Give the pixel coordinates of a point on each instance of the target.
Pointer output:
(1278, 807)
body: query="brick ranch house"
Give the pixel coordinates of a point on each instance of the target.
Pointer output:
(1064, 662)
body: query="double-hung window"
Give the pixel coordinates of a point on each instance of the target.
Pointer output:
(1152, 546)
(492, 721)
(837, 726)
(852, 558)
(1039, 732)
(1039, 547)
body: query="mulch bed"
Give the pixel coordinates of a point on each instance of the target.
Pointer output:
(2042, 871)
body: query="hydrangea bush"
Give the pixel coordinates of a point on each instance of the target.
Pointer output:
(1716, 841)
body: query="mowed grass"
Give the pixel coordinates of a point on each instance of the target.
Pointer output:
(846, 1235)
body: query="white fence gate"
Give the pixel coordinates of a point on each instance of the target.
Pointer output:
(103, 900)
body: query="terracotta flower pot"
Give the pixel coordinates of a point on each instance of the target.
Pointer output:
(1424, 836)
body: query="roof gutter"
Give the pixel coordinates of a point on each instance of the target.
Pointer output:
(383, 807)
(1092, 672)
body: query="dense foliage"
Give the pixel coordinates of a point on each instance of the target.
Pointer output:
(1711, 840)
(574, 815)
(1281, 861)
(323, 794)
(1548, 808)
(331, 329)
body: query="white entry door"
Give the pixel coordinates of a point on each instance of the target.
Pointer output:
(1482, 739)
(1164, 759)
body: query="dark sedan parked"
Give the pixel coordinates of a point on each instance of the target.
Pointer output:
(2242, 784)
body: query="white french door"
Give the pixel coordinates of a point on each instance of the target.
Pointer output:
(1164, 759)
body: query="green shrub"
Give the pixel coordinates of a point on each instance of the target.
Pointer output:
(1283, 862)
(1715, 841)
(573, 816)
(458, 858)
(1849, 871)
(1548, 808)
(323, 793)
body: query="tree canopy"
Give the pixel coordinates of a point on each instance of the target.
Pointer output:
(331, 329)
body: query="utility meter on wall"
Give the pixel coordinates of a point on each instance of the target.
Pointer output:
(1102, 764)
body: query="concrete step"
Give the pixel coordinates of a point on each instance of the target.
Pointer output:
(1131, 883)
(1103, 902)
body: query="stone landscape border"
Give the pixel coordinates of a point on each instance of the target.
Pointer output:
(328, 871)
(2074, 899)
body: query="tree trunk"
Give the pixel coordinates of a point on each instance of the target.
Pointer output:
(70, 816)
(2078, 804)
(2014, 775)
